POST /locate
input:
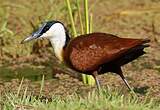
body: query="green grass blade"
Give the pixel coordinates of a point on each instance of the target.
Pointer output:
(71, 18)
(80, 17)
(86, 16)
(20, 86)
(24, 95)
(91, 23)
(84, 79)
(42, 86)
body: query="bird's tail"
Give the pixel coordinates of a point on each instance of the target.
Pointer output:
(134, 52)
(145, 42)
(142, 45)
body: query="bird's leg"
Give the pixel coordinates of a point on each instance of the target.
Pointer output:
(96, 79)
(119, 71)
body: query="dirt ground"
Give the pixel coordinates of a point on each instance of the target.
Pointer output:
(125, 18)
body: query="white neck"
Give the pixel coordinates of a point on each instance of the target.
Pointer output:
(57, 39)
(58, 45)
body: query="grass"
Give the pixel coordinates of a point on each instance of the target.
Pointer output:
(108, 100)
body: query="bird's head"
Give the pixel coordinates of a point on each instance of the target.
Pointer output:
(49, 30)
(56, 32)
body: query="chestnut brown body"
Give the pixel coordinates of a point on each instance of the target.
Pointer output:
(102, 52)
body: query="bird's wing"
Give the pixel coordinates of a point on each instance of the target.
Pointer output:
(87, 53)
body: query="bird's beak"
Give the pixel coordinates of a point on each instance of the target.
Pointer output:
(34, 35)
(29, 38)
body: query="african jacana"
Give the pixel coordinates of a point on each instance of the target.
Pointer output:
(93, 54)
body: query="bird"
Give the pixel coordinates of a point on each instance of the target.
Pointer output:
(92, 54)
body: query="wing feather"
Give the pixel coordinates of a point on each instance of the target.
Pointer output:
(87, 53)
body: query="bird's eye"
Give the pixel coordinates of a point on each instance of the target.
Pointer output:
(45, 29)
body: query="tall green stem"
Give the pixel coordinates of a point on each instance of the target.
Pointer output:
(80, 17)
(89, 78)
(86, 16)
(71, 18)
(91, 23)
